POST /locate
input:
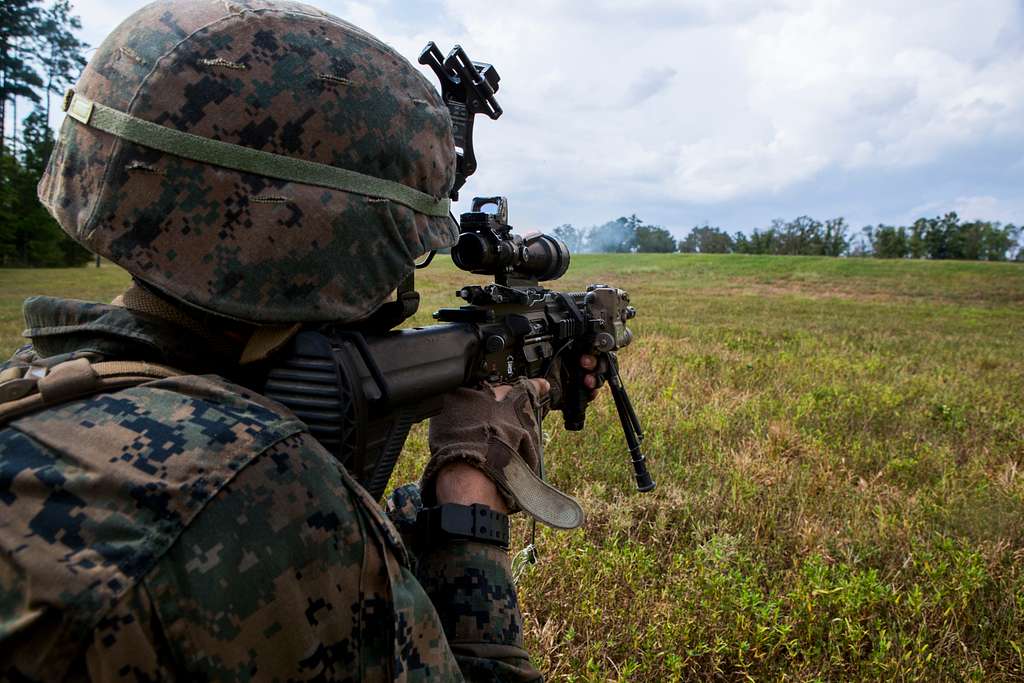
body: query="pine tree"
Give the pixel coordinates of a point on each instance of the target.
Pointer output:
(19, 20)
(60, 51)
(39, 55)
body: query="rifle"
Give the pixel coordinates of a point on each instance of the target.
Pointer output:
(360, 389)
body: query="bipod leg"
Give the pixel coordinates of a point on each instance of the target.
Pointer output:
(630, 426)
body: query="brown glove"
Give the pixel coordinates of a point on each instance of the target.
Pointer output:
(502, 439)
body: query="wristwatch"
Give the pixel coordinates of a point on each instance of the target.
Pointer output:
(454, 522)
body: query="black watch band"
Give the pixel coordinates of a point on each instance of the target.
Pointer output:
(454, 522)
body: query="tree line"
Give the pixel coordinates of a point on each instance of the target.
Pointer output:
(621, 235)
(947, 237)
(942, 237)
(40, 56)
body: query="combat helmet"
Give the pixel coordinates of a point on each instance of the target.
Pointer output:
(259, 160)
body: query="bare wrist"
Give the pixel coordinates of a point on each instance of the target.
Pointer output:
(466, 485)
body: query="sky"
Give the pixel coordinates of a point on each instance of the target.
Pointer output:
(728, 112)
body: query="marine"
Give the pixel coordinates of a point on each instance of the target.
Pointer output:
(259, 167)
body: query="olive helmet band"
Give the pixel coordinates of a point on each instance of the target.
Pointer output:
(239, 158)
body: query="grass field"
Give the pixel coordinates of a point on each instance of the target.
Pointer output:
(838, 445)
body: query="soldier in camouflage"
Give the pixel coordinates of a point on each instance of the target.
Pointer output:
(257, 166)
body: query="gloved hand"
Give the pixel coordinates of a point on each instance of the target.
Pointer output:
(502, 439)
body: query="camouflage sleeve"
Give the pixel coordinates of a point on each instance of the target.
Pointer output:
(291, 573)
(472, 590)
(471, 587)
(129, 645)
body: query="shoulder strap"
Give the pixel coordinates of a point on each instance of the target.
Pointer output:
(35, 388)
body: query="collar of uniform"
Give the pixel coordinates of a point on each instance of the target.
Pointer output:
(59, 326)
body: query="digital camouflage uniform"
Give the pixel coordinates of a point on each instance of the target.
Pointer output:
(187, 527)
(190, 529)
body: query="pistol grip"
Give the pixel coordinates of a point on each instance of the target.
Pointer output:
(575, 396)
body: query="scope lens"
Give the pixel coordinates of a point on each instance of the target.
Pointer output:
(472, 252)
(548, 257)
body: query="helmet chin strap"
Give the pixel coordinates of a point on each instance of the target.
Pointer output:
(255, 346)
(266, 340)
(394, 313)
(140, 300)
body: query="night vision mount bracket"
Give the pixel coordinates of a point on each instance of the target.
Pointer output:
(468, 89)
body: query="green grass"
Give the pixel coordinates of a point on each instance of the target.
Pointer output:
(837, 445)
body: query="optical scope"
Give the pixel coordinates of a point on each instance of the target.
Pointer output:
(487, 246)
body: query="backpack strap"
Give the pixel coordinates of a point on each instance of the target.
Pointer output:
(26, 389)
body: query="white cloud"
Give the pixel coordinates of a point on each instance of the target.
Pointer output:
(712, 103)
(975, 208)
(748, 102)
